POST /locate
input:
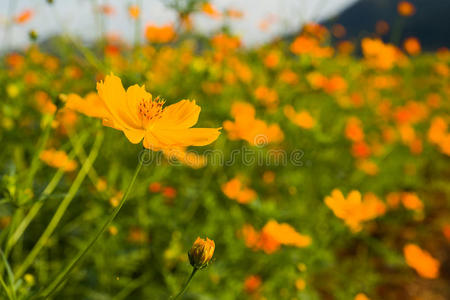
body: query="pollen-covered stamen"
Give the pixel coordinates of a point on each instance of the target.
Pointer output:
(150, 110)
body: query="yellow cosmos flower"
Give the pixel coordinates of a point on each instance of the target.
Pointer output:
(140, 117)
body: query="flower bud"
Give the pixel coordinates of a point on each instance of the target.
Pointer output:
(201, 253)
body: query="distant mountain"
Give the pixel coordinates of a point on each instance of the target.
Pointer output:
(430, 24)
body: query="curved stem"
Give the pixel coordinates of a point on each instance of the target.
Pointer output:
(186, 284)
(62, 276)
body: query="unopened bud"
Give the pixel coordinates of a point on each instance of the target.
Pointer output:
(201, 253)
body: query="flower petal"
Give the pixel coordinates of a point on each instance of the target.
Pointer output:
(181, 115)
(114, 97)
(166, 138)
(135, 94)
(134, 136)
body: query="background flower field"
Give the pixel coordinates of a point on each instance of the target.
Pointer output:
(329, 180)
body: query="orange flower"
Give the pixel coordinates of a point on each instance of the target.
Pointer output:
(421, 261)
(43, 103)
(382, 27)
(379, 54)
(154, 187)
(169, 192)
(302, 119)
(210, 10)
(107, 10)
(134, 11)
(252, 283)
(140, 117)
(368, 167)
(353, 130)
(160, 34)
(361, 150)
(58, 159)
(412, 46)
(289, 77)
(285, 234)
(345, 47)
(406, 8)
(311, 46)
(338, 31)
(269, 97)
(438, 130)
(393, 199)
(354, 210)
(235, 190)
(411, 201)
(225, 43)
(24, 16)
(233, 13)
(272, 59)
(246, 127)
(300, 284)
(361, 296)
(446, 231)
(272, 236)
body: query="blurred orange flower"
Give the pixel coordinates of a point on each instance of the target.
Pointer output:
(267, 96)
(353, 130)
(406, 8)
(378, 54)
(134, 11)
(361, 296)
(234, 189)
(24, 16)
(160, 34)
(354, 210)
(302, 119)
(252, 283)
(311, 46)
(210, 10)
(58, 159)
(246, 127)
(272, 236)
(412, 46)
(411, 201)
(421, 261)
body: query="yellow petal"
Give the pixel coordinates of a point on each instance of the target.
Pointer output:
(133, 135)
(91, 105)
(181, 115)
(180, 137)
(114, 97)
(135, 94)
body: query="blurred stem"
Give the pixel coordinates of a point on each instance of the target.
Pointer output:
(397, 31)
(62, 276)
(88, 54)
(194, 270)
(35, 162)
(137, 26)
(62, 207)
(40, 201)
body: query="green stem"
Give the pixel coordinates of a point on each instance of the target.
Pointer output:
(62, 276)
(40, 201)
(62, 208)
(186, 284)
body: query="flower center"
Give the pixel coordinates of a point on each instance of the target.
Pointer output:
(150, 110)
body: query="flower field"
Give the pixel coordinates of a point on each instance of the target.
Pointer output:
(311, 168)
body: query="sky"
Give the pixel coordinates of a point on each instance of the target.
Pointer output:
(77, 17)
